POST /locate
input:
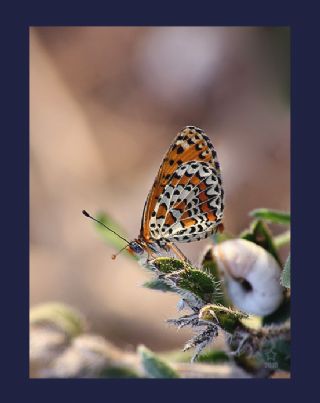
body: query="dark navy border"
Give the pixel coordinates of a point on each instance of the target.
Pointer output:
(15, 197)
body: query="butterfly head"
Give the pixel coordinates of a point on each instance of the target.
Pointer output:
(136, 248)
(143, 249)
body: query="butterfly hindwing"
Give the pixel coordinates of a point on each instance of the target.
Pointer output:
(186, 200)
(187, 209)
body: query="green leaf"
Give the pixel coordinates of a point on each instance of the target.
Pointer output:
(259, 233)
(282, 239)
(59, 315)
(285, 276)
(109, 237)
(154, 366)
(213, 357)
(157, 284)
(274, 216)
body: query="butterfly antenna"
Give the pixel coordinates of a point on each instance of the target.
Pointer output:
(113, 257)
(86, 214)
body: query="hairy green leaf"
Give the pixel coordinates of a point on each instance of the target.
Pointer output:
(209, 265)
(198, 282)
(168, 265)
(227, 318)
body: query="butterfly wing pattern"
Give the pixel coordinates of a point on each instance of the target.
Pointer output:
(185, 203)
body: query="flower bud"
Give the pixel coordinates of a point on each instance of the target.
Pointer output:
(251, 276)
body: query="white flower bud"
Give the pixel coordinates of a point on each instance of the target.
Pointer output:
(251, 276)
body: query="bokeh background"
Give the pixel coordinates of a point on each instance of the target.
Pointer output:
(105, 104)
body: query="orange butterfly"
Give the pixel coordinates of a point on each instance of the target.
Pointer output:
(185, 203)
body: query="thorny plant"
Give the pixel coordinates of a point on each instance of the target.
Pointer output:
(204, 293)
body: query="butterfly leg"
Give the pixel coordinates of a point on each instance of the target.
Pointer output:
(152, 251)
(177, 252)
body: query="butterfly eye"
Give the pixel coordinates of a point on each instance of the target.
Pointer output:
(136, 248)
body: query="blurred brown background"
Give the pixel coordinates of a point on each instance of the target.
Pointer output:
(105, 103)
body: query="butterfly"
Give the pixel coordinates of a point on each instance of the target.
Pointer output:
(185, 203)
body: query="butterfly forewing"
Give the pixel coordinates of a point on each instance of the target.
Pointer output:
(186, 201)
